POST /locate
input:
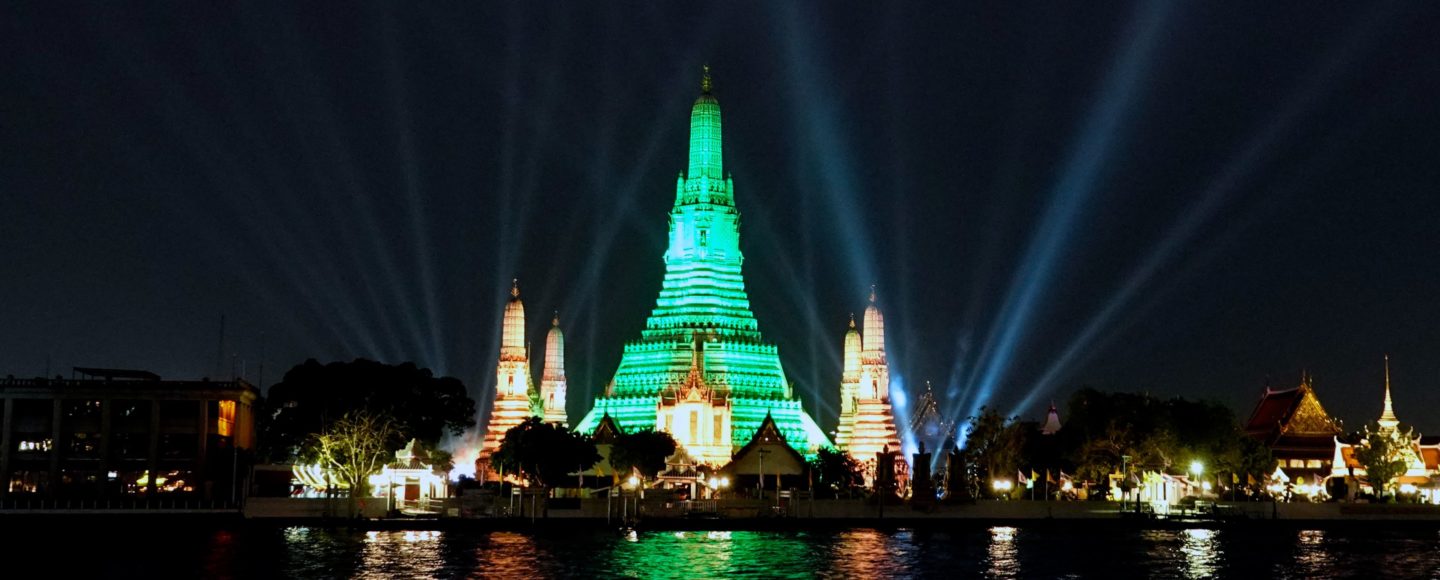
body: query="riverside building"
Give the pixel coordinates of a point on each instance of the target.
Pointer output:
(115, 433)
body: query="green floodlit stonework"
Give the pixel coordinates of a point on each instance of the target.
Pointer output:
(704, 292)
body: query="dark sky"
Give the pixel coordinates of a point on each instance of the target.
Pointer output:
(1186, 198)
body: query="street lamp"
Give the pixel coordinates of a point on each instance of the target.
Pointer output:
(1197, 468)
(1002, 486)
(1124, 479)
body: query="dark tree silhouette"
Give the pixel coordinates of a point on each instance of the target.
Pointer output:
(312, 396)
(644, 450)
(544, 453)
(837, 473)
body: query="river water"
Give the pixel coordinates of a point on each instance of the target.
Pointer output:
(992, 552)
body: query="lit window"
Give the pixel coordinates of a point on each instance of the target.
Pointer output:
(225, 422)
(1297, 463)
(35, 445)
(1312, 463)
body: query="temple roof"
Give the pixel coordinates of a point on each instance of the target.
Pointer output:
(607, 431)
(767, 435)
(1290, 412)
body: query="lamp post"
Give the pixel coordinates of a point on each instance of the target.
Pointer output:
(762, 453)
(1197, 468)
(1124, 479)
(634, 483)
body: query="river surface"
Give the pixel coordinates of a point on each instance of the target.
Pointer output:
(108, 549)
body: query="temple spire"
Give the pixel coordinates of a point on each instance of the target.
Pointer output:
(1387, 417)
(705, 152)
(873, 332)
(552, 380)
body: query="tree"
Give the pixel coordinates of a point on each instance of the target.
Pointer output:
(354, 447)
(312, 395)
(837, 473)
(544, 453)
(993, 446)
(1384, 453)
(1157, 435)
(644, 451)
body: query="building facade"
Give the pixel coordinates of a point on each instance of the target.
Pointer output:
(1295, 427)
(701, 370)
(115, 433)
(1421, 456)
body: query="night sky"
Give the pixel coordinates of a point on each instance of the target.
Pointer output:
(1184, 198)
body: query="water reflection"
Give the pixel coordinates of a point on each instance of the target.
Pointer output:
(995, 552)
(510, 555)
(867, 553)
(1004, 556)
(1311, 555)
(1202, 552)
(407, 554)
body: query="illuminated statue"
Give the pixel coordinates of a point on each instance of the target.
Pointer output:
(1052, 421)
(701, 369)
(552, 381)
(514, 394)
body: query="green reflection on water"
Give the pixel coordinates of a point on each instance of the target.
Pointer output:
(708, 554)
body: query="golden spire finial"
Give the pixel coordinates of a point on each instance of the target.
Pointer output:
(872, 293)
(705, 82)
(555, 320)
(514, 287)
(1387, 416)
(852, 321)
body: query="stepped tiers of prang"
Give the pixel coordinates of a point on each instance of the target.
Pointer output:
(701, 370)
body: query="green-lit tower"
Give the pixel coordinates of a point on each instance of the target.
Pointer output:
(701, 370)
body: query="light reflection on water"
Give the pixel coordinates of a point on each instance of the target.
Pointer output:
(408, 554)
(1202, 553)
(1312, 557)
(1055, 550)
(1004, 555)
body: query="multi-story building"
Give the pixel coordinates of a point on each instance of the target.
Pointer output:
(124, 433)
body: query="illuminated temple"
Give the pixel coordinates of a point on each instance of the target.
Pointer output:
(701, 369)
(1297, 430)
(552, 380)
(867, 420)
(515, 397)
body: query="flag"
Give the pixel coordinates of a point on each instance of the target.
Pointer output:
(1034, 475)
(1234, 477)
(1020, 477)
(1250, 479)
(1049, 478)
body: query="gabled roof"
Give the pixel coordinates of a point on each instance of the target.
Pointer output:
(1290, 412)
(768, 434)
(606, 432)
